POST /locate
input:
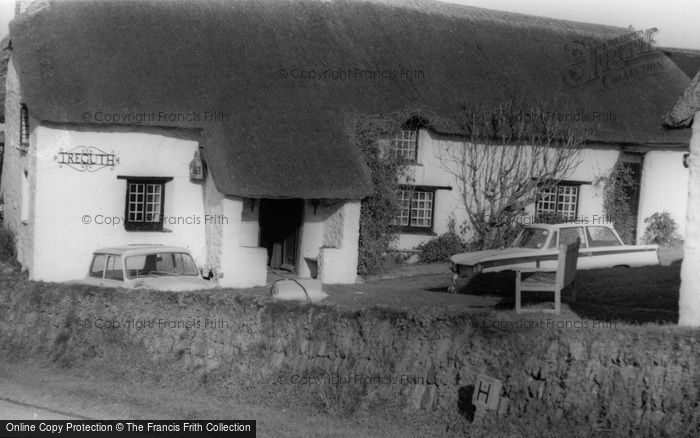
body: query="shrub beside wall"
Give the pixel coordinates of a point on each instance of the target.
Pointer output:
(661, 229)
(580, 380)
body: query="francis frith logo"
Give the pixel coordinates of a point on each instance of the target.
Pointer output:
(613, 63)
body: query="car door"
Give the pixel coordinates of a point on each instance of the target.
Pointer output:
(568, 235)
(106, 270)
(605, 247)
(97, 270)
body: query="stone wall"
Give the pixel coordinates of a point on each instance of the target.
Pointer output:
(625, 378)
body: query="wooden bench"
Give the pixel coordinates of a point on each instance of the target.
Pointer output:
(547, 280)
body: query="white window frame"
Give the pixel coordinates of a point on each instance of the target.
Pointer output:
(145, 203)
(417, 209)
(405, 145)
(560, 200)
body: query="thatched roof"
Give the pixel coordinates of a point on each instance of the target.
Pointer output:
(681, 116)
(288, 137)
(688, 60)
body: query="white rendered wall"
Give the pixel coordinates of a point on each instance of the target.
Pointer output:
(78, 212)
(338, 264)
(241, 266)
(664, 188)
(429, 171)
(232, 245)
(689, 296)
(312, 229)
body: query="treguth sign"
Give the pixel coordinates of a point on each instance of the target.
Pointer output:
(86, 159)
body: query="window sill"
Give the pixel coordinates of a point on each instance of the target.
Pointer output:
(136, 230)
(415, 231)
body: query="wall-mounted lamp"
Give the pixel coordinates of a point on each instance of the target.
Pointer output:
(196, 167)
(315, 203)
(252, 204)
(686, 160)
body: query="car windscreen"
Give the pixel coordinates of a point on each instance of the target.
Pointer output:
(165, 263)
(531, 238)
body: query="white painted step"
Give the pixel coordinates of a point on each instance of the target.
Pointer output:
(301, 289)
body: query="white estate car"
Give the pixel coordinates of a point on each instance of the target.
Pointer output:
(537, 246)
(146, 267)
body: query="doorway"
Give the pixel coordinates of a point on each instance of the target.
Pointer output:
(632, 163)
(280, 225)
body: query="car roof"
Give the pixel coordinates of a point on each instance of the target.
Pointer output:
(139, 249)
(564, 225)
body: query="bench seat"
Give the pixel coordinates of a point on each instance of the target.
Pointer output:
(547, 280)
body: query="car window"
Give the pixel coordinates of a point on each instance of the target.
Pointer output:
(531, 238)
(602, 236)
(553, 242)
(569, 235)
(114, 268)
(159, 264)
(98, 266)
(165, 263)
(184, 265)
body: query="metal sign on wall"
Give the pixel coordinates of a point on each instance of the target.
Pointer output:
(86, 159)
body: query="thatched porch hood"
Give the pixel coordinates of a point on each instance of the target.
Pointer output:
(287, 137)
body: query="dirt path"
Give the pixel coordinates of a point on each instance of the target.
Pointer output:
(10, 410)
(33, 392)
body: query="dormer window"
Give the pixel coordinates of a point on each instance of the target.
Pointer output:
(405, 145)
(24, 127)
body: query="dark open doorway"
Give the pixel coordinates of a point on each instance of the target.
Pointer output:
(280, 223)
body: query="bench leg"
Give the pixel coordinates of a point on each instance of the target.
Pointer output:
(557, 301)
(466, 282)
(452, 289)
(518, 293)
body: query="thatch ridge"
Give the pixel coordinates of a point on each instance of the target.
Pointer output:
(683, 112)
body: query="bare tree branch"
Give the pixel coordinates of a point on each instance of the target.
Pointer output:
(507, 156)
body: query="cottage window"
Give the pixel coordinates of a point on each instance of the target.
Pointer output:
(416, 210)
(560, 201)
(24, 127)
(405, 145)
(144, 203)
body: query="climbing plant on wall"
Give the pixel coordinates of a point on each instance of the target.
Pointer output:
(371, 135)
(619, 189)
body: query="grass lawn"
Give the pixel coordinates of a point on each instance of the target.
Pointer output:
(625, 295)
(628, 295)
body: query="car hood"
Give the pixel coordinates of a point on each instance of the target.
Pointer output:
(473, 258)
(174, 283)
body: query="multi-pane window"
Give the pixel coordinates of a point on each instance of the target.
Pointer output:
(416, 209)
(404, 215)
(144, 203)
(405, 144)
(24, 127)
(558, 201)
